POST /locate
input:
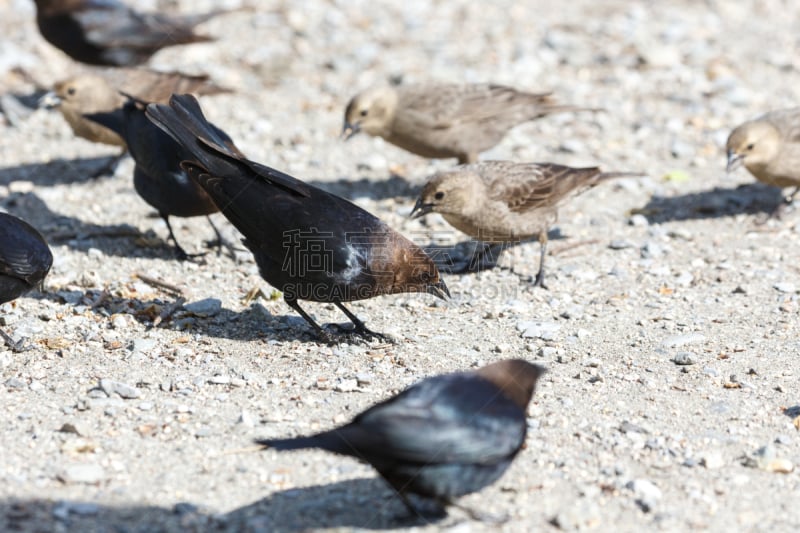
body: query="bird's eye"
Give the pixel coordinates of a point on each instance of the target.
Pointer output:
(364, 112)
(425, 277)
(439, 195)
(71, 91)
(750, 146)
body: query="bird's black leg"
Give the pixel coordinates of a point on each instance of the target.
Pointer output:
(220, 241)
(359, 328)
(539, 281)
(16, 346)
(179, 251)
(324, 335)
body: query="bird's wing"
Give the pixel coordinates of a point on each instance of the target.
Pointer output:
(527, 186)
(24, 254)
(447, 105)
(787, 122)
(112, 24)
(445, 419)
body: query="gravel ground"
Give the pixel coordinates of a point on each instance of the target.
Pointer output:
(670, 329)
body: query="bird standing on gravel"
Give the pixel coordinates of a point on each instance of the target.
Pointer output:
(441, 120)
(503, 202)
(157, 176)
(308, 243)
(109, 33)
(25, 260)
(769, 147)
(443, 437)
(87, 93)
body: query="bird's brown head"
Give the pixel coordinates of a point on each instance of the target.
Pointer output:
(753, 144)
(452, 192)
(371, 111)
(515, 377)
(85, 94)
(407, 268)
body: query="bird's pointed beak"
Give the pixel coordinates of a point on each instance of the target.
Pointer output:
(438, 289)
(421, 209)
(49, 100)
(348, 130)
(734, 161)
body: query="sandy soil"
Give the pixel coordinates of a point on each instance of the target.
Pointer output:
(670, 330)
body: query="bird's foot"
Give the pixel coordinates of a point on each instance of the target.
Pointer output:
(182, 255)
(538, 281)
(427, 513)
(358, 334)
(221, 243)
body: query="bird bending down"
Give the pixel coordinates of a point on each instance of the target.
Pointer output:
(308, 243)
(157, 176)
(442, 438)
(769, 148)
(501, 202)
(25, 260)
(442, 120)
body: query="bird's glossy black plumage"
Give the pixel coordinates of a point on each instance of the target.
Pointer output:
(442, 438)
(109, 33)
(157, 175)
(310, 244)
(25, 260)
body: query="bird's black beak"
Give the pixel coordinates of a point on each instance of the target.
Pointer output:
(438, 289)
(421, 209)
(734, 161)
(348, 130)
(49, 100)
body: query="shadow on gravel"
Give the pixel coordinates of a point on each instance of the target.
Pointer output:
(359, 503)
(366, 503)
(718, 202)
(394, 187)
(58, 171)
(120, 240)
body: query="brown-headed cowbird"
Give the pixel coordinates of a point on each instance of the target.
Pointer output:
(100, 92)
(25, 260)
(441, 120)
(310, 244)
(769, 147)
(505, 202)
(107, 32)
(444, 437)
(157, 175)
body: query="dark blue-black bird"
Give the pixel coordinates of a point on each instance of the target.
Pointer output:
(25, 260)
(157, 175)
(308, 243)
(441, 438)
(109, 33)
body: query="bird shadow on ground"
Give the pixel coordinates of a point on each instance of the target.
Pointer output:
(118, 240)
(365, 503)
(718, 202)
(168, 312)
(393, 187)
(345, 504)
(453, 258)
(58, 171)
